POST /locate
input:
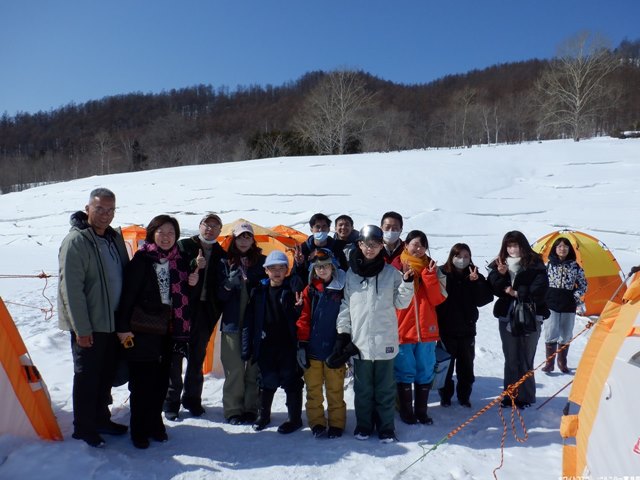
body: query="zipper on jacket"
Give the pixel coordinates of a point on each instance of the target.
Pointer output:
(419, 334)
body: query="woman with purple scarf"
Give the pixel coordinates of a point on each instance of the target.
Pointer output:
(156, 285)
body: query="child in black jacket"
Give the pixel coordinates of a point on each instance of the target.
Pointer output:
(269, 338)
(467, 290)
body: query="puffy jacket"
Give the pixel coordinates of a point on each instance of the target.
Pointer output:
(230, 300)
(567, 284)
(368, 311)
(84, 303)
(253, 331)
(531, 283)
(419, 322)
(320, 308)
(458, 314)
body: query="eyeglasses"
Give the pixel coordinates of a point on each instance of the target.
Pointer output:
(103, 211)
(324, 266)
(208, 226)
(372, 245)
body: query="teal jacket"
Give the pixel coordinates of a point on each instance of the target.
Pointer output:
(84, 303)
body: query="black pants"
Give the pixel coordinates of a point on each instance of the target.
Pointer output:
(94, 369)
(462, 351)
(202, 324)
(148, 382)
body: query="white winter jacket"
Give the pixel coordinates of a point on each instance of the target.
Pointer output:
(368, 311)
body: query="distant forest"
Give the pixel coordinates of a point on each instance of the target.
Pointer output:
(586, 91)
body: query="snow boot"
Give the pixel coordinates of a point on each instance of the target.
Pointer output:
(421, 401)
(562, 358)
(264, 410)
(551, 362)
(294, 408)
(405, 403)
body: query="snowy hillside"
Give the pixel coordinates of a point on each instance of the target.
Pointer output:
(472, 195)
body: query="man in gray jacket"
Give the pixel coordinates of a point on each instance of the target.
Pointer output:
(91, 261)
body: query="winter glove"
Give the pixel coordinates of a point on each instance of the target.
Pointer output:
(342, 341)
(303, 361)
(234, 281)
(342, 351)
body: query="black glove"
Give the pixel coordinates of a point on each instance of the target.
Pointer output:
(234, 281)
(303, 361)
(410, 277)
(343, 349)
(342, 341)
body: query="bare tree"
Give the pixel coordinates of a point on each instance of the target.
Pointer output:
(574, 88)
(463, 102)
(334, 112)
(103, 146)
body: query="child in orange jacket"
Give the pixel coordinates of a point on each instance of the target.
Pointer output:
(418, 330)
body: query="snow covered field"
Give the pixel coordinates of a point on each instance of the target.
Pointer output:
(472, 195)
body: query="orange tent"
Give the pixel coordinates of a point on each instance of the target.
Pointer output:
(134, 236)
(601, 269)
(600, 424)
(25, 405)
(297, 236)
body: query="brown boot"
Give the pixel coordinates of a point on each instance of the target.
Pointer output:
(551, 362)
(562, 358)
(405, 403)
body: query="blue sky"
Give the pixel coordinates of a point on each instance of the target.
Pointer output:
(56, 52)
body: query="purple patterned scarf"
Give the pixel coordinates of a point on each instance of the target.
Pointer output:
(178, 277)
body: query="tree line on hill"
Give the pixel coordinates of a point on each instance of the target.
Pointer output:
(586, 90)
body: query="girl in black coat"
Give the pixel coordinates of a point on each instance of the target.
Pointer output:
(518, 273)
(156, 280)
(467, 290)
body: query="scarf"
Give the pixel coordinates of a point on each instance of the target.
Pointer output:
(180, 322)
(365, 268)
(514, 267)
(417, 264)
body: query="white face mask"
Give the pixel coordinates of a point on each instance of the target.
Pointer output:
(321, 237)
(390, 236)
(208, 242)
(460, 263)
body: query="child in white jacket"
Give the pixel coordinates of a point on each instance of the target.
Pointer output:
(373, 290)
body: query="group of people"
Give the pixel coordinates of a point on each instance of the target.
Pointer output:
(365, 297)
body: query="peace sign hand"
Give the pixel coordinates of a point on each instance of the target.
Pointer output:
(299, 299)
(473, 275)
(502, 267)
(298, 256)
